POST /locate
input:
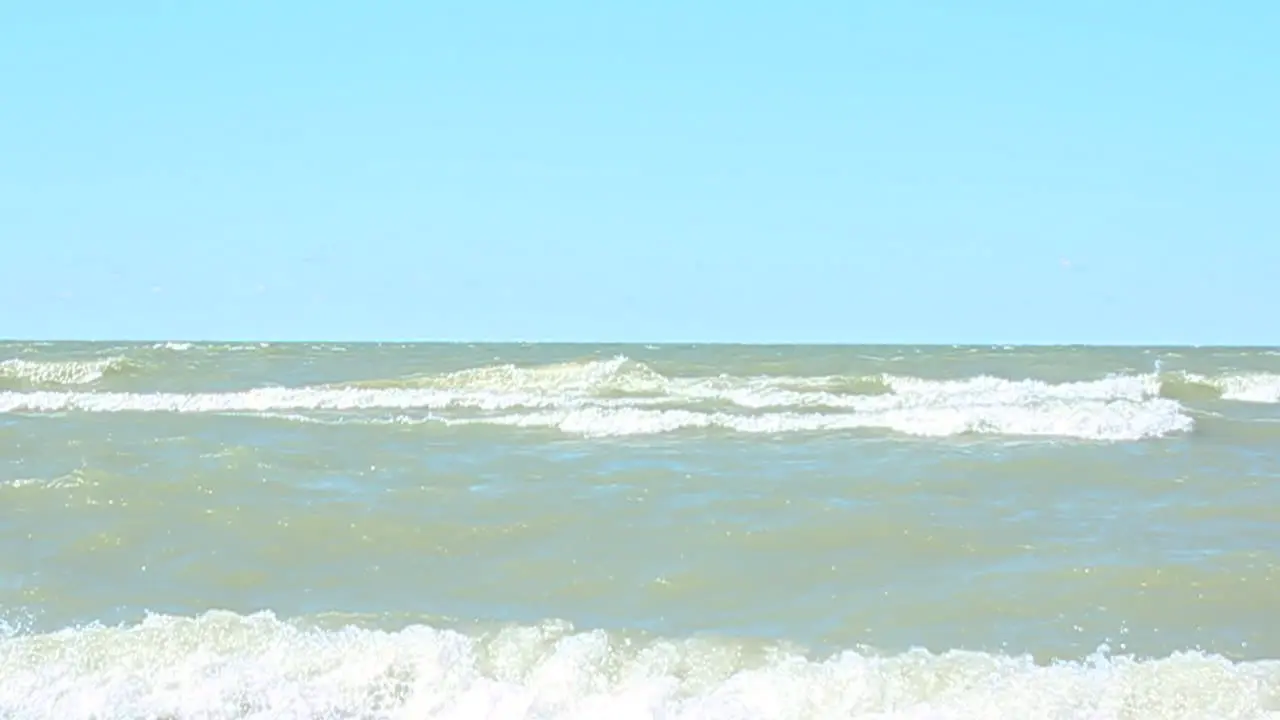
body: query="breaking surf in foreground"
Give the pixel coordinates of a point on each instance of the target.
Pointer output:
(222, 665)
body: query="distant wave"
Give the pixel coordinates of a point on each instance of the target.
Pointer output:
(222, 665)
(620, 397)
(1090, 420)
(1098, 422)
(623, 377)
(45, 373)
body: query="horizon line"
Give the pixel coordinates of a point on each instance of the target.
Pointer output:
(669, 343)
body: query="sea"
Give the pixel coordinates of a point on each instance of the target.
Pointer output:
(292, 530)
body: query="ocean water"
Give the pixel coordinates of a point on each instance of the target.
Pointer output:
(537, 531)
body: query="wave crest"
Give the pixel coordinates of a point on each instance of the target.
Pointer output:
(45, 373)
(620, 397)
(223, 665)
(1248, 387)
(1089, 421)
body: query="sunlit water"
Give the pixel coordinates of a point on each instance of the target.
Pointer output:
(419, 531)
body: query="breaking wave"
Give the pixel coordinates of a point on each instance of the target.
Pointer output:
(223, 665)
(1249, 387)
(619, 396)
(1116, 420)
(623, 377)
(46, 373)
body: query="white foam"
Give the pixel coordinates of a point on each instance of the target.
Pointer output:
(987, 389)
(621, 397)
(1104, 421)
(61, 482)
(1117, 420)
(260, 400)
(59, 372)
(221, 665)
(1250, 387)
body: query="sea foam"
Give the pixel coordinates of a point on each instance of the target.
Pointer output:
(223, 665)
(619, 396)
(59, 372)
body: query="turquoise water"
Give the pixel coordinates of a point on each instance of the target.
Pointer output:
(413, 531)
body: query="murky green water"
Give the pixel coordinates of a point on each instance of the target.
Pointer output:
(560, 531)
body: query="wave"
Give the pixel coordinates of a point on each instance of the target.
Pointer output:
(1108, 423)
(983, 406)
(637, 383)
(1089, 421)
(224, 665)
(620, 396)
(621, 376)
(44, 373)
(173, 346)
(1248, 387)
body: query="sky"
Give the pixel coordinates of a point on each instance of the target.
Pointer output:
(827, 172)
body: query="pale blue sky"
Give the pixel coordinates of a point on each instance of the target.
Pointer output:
(780, 172)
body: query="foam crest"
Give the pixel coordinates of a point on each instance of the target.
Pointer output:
(1258, 387)
(1254, 387)
(222, 665)
(622, 397)
(61, 482)
(262, 400)
(987, 389)
(1094, 420)
(1089, 419)
(59, 372)
(619, 375)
